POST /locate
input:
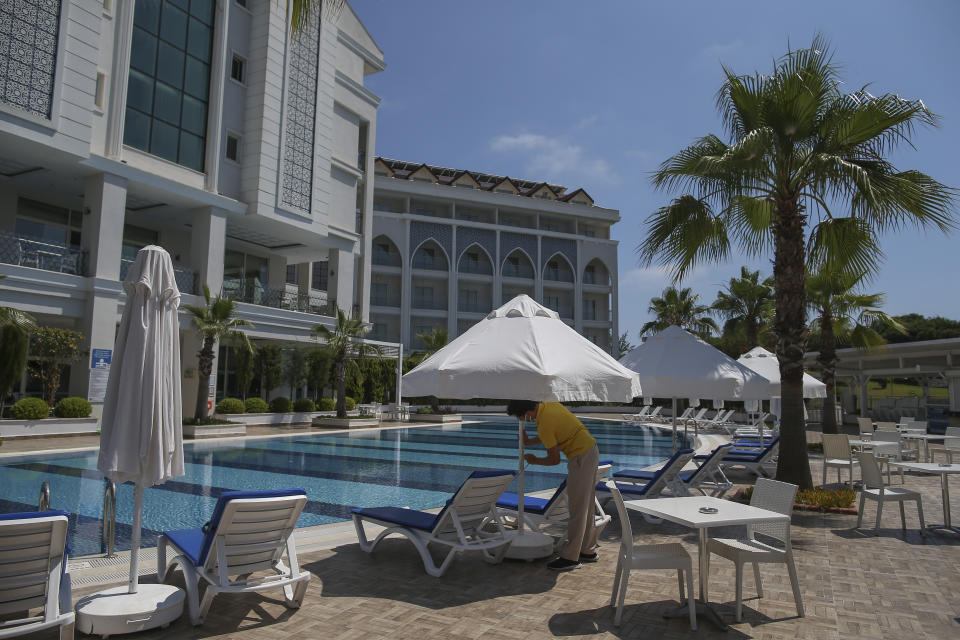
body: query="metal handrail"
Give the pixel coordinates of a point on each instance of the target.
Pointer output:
(107, 535)
(44, 504)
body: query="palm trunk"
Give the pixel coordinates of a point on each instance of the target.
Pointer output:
(752, 335)
(828, 365)
(341, 373)
(204, 369)
(789, 272)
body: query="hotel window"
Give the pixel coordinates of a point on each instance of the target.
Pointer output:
(319, 279)
(590, 275)
(168, 89)
(589, 309)
(291, 274)
(238, 69)
(47, 223)
(423, 297)
(552, 302)
(233, 147)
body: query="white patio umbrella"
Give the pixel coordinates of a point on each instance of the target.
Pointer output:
(522, 351)
(767, 365)
(141, 430)
(676, 364)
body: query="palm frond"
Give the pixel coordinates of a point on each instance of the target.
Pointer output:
(684, 234)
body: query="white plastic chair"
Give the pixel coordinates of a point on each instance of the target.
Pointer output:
(950, 446)
(866, 428)
(249, 532)
(670, 555)
(875, 489)
(773, 496)
(888, 446)
(837, 455)
(33, 573)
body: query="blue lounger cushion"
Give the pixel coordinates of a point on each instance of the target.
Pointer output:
(530, 504)
(196, 543)
(656, 474)
(648, 475)
(23, 515)
(627, 489)
(421, 519)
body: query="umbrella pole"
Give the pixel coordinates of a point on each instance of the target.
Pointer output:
(135, 538)
(520, 500)
(674, 425)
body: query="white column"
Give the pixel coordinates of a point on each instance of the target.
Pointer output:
(104, 206)
(578, 291)
(614, 305)
(218, 72)
(207, 247)
(119, 73)
(341, 273)
(453, 285)
(497, 274)
(406, 284)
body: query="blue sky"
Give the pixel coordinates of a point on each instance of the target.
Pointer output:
(597, 94)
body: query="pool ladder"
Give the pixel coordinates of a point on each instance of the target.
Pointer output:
(109, 519)
(44, 503)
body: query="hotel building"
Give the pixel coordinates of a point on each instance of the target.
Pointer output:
(449, 245)
(203, 126)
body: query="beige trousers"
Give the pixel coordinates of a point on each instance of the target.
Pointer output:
(581, 486)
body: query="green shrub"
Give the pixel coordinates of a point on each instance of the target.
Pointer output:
(257, 405)
(351, 403)
(327, 404)
(231, 405)
(281, 405)
(827, 498)
(30, 409)
(304, 404)
(73, 408)
(424, 410)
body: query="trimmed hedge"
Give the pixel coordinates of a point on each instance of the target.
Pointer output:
(327, 404)
(281, 405)
(351, 403)
(231, 405)
(73, 408)
(257, 405)
(30, 409)
(304, 404)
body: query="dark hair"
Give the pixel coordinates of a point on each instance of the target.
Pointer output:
(519, 408)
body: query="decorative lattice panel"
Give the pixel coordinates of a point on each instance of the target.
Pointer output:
(486, 238)
(568, 248)
(301, 110)
(28, 53)
(511, 241)
(440, 233)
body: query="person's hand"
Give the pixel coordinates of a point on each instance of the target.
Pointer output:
(530, 458)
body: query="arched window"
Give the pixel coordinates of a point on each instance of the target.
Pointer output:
(385, 252)
(475, 260)
(596, 273)
(518, 265)
(430, 256)
(558, 269)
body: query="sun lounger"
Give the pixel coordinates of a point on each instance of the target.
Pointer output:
(458, 526)
(753, 460)
(707, 478)
(541, 513)
(640, 415)
(33, 573)
(248, 533)
(637, 484)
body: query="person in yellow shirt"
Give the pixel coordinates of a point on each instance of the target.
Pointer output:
(562, 432)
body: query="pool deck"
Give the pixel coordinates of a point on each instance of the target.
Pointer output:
(854, 585)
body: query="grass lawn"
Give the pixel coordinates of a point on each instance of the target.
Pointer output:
(900, 390)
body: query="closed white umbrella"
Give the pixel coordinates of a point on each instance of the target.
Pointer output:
(523, 351)
(141, 430)
(676, 364)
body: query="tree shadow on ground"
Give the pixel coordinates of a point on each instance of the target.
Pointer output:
(395, 572)
(642, 620)
(910, 536)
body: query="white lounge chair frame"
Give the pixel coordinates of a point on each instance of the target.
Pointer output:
(253, 534)
(460, 529)
(759, 466)
(32, 575)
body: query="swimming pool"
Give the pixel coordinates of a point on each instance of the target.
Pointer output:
(417, 467)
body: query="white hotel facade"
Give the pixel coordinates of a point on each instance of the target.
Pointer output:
(205, 127)
(449, 245)
(198, 125)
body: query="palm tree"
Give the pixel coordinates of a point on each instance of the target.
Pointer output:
(215, 321)
(14, 317)
(679, 307)
(344, 343)
(433, 341)
(798, 147)
(624, 346)
(747, 306)
(843, 317)
(302, 11)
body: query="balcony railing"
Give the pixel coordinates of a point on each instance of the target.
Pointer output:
(425, 303)
(556, 275)
(27, 251)
(386, 259)
(435, 264)
(186, 278)
(385, 301)
(482, 268)
(252, 291)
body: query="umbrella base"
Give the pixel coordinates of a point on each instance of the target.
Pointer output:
(530, 545)
(115, 611)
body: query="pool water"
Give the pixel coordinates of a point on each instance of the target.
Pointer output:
(416, 467)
